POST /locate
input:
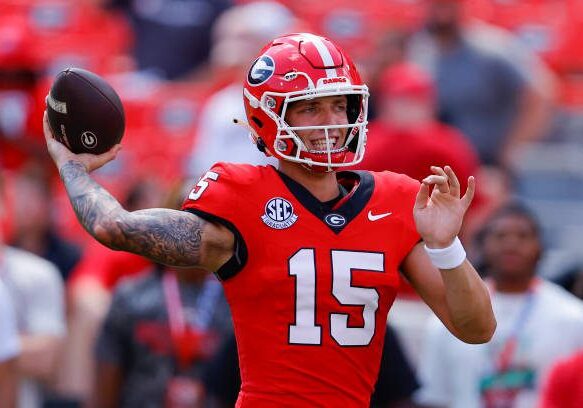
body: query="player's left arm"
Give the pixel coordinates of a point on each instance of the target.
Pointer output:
(458, 296)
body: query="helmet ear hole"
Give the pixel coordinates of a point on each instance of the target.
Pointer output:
(257, 121)
(260, 145)
(354, 103)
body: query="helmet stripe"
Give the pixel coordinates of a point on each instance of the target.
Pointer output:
(324, 54)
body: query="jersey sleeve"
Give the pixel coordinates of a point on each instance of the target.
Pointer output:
(217, 197)
(216, 193)
(403, 192)
(398, 192)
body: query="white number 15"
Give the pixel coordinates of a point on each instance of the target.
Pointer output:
(302, 265)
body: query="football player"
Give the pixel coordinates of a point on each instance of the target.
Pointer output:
(308, 256)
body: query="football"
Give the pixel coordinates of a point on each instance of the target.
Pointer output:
(84, 112)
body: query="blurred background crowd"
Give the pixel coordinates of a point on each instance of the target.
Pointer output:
(493, 88)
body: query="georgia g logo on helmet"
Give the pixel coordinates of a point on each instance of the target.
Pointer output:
(261, 70)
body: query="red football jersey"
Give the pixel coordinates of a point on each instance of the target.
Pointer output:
(310, 302)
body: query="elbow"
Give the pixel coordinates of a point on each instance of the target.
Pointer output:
(108, 233)
(479, 335)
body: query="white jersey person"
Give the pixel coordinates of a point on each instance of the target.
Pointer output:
(538, 323)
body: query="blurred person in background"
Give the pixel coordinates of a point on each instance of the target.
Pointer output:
(538, 323)
(160, 330)
(480, 91)
(171, 37)
(406, 137)
(237, 33)
(33, 221)
(36, 291)
(391, 49)
(9, 351)
(564, 385)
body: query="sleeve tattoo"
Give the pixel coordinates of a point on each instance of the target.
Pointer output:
(166, 236)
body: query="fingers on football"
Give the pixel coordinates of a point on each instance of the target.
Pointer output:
(454, 183)
(422, 196)
(47, 128)
(114, 151)
(107, 156)
(469, 195)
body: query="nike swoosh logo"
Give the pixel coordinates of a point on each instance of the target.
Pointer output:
(376, 217)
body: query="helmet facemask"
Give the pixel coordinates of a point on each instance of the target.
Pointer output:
(288, 145)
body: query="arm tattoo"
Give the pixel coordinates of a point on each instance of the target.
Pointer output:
(166, 236)
(90, 201)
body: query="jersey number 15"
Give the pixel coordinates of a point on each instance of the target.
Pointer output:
(302, 265)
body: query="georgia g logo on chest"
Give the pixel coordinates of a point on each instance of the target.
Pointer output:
(279, 213)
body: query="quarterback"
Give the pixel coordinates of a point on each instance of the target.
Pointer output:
(308, 255)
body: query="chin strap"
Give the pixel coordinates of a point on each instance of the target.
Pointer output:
(318, 169)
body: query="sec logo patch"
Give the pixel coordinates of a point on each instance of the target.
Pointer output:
(279, 213)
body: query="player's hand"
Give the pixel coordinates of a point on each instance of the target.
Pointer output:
(61, 154)
(439, 215)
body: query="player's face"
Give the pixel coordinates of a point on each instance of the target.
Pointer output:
(512, 247)
(328, 110)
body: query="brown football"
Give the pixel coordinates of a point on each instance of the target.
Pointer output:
(84, 111)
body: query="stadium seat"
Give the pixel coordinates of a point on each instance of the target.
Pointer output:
(550, 28)
(52, 33)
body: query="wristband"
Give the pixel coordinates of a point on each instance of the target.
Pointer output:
(449, 257)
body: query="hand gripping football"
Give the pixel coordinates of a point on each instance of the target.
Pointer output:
(84, 112)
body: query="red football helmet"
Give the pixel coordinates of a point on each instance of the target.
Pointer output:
(302, 67)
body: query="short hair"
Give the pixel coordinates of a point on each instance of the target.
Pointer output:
(511, 208)
(516, 208)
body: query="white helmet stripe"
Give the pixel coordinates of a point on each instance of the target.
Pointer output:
(324, 54)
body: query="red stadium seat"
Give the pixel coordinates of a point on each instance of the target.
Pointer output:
(354, 27)
(548, 27)
(161, 128)
(45, 33)
(40, 37)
